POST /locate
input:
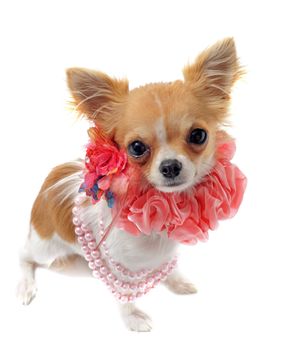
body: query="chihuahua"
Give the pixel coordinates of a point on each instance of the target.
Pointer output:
(169, 131)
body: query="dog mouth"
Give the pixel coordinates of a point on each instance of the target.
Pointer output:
(173, 186)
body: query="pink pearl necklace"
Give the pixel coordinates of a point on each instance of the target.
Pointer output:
(124, 284)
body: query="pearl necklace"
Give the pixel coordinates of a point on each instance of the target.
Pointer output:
(124, 284)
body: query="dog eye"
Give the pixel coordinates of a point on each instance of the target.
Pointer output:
(137, 149)
(197, 136)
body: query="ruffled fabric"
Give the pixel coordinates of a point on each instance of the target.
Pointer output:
(187, 216)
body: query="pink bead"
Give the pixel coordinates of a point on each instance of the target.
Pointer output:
(170, 269)
(125, 272)
(112, 262)
(76, 221)
(117, 295)
(79, 200)
(144, 272)
(91, 265)
(139, 294)
(131, 275)
(92, 245)
(103, 270)
(117, 283)
(106, 252)
(88, 257)
(85, 248)
(133, 286)
(81, 239)
(141, 285)
(119, 268)
(150, 281)
(75, 210)
(84, 228)
(98, 262)
(104, 244)
(158, 275)
(131, 298)
(125, 286)
(103, 279)
(113, 291)
(111, 277)
(96, 274)
(88, 237)
(78, 231)
(95, 254)
(124, 299)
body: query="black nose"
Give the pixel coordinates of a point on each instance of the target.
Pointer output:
(170, 168)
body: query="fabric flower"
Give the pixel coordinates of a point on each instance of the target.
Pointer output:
(104, 164)
(185, 216)
(188, 216)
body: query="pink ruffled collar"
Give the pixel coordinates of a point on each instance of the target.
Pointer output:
(185, 216)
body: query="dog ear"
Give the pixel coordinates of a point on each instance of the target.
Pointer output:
(214, 72)
(95, 94)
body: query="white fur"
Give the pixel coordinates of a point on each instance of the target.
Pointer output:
(133, 252)
(160, 132)
(191, 172)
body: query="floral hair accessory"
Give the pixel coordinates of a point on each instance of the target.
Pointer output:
(104, 164)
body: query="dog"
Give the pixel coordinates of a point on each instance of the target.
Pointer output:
(169, 132)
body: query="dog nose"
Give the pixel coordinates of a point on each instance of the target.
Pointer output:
(170, 168)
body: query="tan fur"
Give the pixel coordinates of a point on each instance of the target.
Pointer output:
(48, 215)
(200, 101)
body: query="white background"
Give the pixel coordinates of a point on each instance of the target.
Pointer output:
(238, 271)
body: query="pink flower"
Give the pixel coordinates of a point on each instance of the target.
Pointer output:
(105, 164)
(103, 160)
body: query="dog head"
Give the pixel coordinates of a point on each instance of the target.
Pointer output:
(169, 130)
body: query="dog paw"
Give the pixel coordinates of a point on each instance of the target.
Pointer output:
(138, 321)
(179, 284)
(26, 291)
(182, 287)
